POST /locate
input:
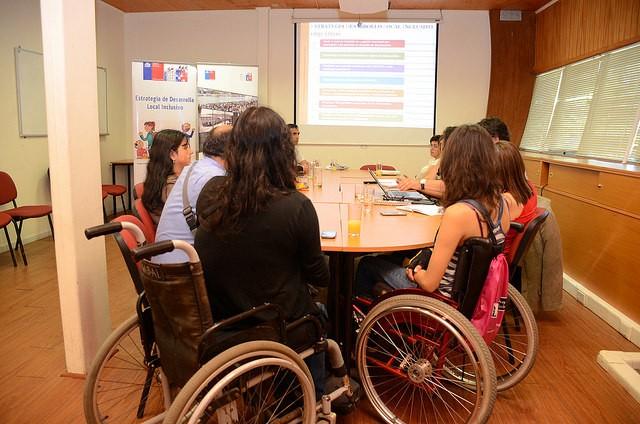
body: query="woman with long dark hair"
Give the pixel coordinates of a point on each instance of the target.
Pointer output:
(518, 190)
(170, 152)
(468, 169)
(259, 238)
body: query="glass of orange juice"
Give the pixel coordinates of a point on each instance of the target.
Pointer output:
(354, 219)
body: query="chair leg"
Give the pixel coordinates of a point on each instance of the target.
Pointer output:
(19, 241)
(51, 225)
(13, 257)
(124, 208)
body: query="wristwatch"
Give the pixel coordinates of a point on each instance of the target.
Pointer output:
(422, 184)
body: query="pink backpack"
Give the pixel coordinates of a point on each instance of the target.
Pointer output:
(489, 311)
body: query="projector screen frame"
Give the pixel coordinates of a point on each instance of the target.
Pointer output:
(303, 20)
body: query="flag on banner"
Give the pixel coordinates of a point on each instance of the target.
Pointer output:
(248, 77)
(210, 75)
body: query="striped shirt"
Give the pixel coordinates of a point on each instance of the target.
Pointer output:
(446, 284)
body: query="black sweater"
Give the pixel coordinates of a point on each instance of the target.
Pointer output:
(270, 260)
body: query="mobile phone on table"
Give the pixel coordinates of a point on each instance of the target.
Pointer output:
(328, 234)
(392, 213)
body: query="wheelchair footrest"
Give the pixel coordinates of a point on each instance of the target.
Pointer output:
(343, 405)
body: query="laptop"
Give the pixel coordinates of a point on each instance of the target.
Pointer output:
(398, 195)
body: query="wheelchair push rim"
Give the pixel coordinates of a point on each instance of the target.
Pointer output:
(260, 381)
(406, 351)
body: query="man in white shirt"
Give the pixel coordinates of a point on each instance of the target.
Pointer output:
(173, 224)
(430, 169)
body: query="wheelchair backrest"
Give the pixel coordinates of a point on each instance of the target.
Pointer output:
(471, 272)
(181, 314)
(523, 240)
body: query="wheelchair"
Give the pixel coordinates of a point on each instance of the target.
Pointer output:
(171, 363)
(421, 360)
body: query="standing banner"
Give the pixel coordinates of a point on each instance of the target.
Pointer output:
(163, 98)
(224, 92)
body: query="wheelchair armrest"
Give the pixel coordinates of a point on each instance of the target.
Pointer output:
(417, 291)
(302, 320)
(229, 323)
(517, 226)
(101, 230)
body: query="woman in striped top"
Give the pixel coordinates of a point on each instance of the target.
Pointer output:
(469, 171)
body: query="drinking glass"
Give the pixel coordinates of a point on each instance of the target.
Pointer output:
(368, 199)
(317, 176)
(354, 219)
(379, 169)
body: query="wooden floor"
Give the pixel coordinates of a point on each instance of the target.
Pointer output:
(565, 386)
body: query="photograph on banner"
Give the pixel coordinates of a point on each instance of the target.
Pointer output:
(163, 98)
(224, 92)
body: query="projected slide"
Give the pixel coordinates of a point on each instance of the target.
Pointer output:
(369, 74)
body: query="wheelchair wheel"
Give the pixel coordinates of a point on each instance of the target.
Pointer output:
(516, 345)
(121, 386)
(254, 382)
(421, 361)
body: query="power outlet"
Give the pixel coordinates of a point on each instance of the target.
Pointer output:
(580, 297)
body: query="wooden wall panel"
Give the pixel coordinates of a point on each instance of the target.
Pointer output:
(512, 77)
(571, 30)
(600, 249)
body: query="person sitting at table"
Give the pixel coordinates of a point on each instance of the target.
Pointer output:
(259, 238)
(169, 153)
(303, 165)
(431, 184)
(430, 169)
(496, 128)
(173, 223)
(469, 170)
(518, 190)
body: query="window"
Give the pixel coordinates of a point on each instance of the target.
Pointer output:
(590, 108)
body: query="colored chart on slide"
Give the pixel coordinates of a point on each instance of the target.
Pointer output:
(371, 74)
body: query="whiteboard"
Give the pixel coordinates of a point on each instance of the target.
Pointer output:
(32, 108)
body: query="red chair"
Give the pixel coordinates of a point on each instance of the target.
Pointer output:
(370, 167)
(115, 190)
(9, 193)
(5, 219)
(148, 226)
(523, 239)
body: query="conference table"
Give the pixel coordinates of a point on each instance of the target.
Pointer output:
(377, 234)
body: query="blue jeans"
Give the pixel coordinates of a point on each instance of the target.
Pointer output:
(374, 269)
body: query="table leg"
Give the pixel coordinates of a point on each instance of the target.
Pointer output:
(113, 181)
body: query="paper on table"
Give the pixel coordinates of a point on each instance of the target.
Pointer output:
(430, 210)
(388, 182)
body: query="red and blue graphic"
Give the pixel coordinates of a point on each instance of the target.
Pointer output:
(248, 77)
(210, 75)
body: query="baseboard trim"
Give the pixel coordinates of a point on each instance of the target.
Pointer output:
(616, 319)
(25, 240)
(622, 366)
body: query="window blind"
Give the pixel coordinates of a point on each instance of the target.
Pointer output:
(545, 91)
(572, 106)
(590, 108)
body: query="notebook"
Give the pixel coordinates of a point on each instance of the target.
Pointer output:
(397, 194)
(430, 210)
